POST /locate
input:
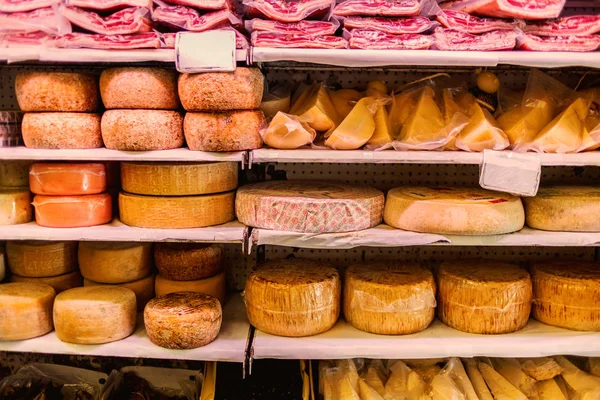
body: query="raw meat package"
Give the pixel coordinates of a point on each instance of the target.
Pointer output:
(288, 11)
(47, 20)
(464, 22)
(377, 40)
(266, 39)
(241, 41)
(304, 28)
(450, 40)
(559, 43)
(77, 40)
(580, 25)
(202, 4)
(394, 26)
(108, 5)
(14, 6)
(127, 21)
(180, 17)
(523, 9)
(24, 39)
(378, 8)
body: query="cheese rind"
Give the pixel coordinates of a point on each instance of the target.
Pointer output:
(62, 131)
(14, 173)
(110, 262)
(73, 211)
(59, 283)
(215, 286)
(25, 310)
(188, 261)
(37, 259)
(15, 206)
(143, 289)
(58, 179)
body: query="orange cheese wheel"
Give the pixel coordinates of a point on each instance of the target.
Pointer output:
(72, 211)
(67, 179)
(214, 286)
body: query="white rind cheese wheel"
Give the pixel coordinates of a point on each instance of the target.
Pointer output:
(178, 179)
(59, 283)
(25, 310)
(15, 206)
(453, 211)
(110, 262)
(143, 289)
(39, 259)
(94, 315)
(215, 286)
(188, 261)
(487, 297)
(14, 173)
(293, 297)
(389, 298)
(62, 131)
(313, 207)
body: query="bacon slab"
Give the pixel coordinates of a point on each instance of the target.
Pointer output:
(109, 5)
(524, 9)
(288, 11)
(24, 39)
(202, 4)
(463, 22)
(309, 28)
(377, 40)
(447, 39)
(378, 8)
(265, 39)
(150, 40)
(394, 26)
(241, 41)
(127, 21)
(576, 25)
(11, 6)
(559, 43)
(43, 19)
(189, 19)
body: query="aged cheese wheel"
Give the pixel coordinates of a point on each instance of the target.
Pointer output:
(143, 289)
(73, 211)
(94, 314)
(57, 91)
(178, 179)
(293, 297)
(454, 211)
(114, 262)
(567, 294)
(225, 131)
(59, 283)
(316, 207)
(139, 88)
(15, 206)
(389, 298)
(481, 296)
(62, 131)
(183, 320)
(60, 179)
(14, 173)
(142, 130)
(221, 91)
(39, 259)
(188, 261)
(215, 286)
(176, 212)
(25, 310)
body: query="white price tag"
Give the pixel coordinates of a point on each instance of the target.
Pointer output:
(205, 51)
(506, 171)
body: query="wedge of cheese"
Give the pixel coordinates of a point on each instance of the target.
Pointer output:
(288, 132)
(356, 129)
(344, 100)
(483, 131)
(316, 109)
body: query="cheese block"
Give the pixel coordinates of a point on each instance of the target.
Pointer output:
(2, 263)
(62, 131)
(356, 129)
(59, 283)
(176, 212)
(383, 134)
(483, 131)
(480, 296)
(25, 310)
(215, 286)
(454, 211)
(57, 91)
(293, 297)
(143, 289)
(39, 259)
(389, 298)
(178, 178)
(522, 124)
(183, 320)
(72, 211)
(315, 207)
(288, 132)
(566, 294)
(110, 262)
(14, 173)
(564, 208)
(188, 261)
(343, 101)
(272, 104)
(15, 206)
(424, 122)
(58, 179)
(315, 108)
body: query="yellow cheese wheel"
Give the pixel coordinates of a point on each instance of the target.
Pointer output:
(14, 173)
(143, 289)
(188, 261)
(38, 259)
(15, 206)
(59, 283)
(110, 262)
(25, 310)
(215, 286)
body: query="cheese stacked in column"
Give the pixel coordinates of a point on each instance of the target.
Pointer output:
(25, 310)
(15, 198)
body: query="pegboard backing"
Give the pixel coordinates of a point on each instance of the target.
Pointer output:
(237, 266)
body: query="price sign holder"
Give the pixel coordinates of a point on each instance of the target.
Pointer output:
(212, 51)
(510, 172)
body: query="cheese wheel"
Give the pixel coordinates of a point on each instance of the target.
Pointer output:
(564, 208)
(25, 310)
(39, 259)
(454, 211)
(183, 320)
(57, 91)
(176, 212)
(220, 91)
(487, 297)
(110, 262)
(215, 286)
(60, 179)
(293, 297)
(139, 88)
(143, 289)
(188, 261)
(315, 207)
(73, 211)
(62, 131)
(14, 173)
(178, 179)
(142, 130)
(567, 294)
(389, 298)
(59, 283)
(226, 131)
(15, 206)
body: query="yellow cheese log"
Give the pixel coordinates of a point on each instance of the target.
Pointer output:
(215, 286)
(110, 262)
(315, 108)
(343, 101)
(549, 390)
(188, 261)
(59, 283)
(581, 382)
(25, 310)
(500, 387)
(479, 385)
(15, 206)
(143, 289)
(14, 173)
(356, 129)
(511, 370)
(37, 259)
(288, 132)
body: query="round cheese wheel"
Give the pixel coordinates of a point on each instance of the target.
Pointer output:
(39, 259)
(315, 207)
(57, 91)
(62, 131)
(25, 310)
(454, 211)
(280, 297)
(188, 261)
(143, 289)
(139, 88)
(389, 298)
(142, 130)
(110, 262)
(176, 212)
(487, 297)
(15, 206)
(183, 320)
(73, 211)
(59, 283)
(94, 314)
(60, 179)
(14, 173)
(226, 131)
(215, 286)
(178, 179)
(221, 91)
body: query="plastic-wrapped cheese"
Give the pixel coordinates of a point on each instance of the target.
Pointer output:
(37, 259)
(15, 206)
(58, 179)
(73, 211)
(143, 289)
(25, 310)
(14, 173)
(215, 286)
(110, 262)
(59, 283)
(188, 261)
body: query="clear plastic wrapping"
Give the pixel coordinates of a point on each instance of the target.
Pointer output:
(10, 128)
(288, 11)
(49, 20)
(73, 211)
(180, 17)
(127, 21)
(60, 179)
(288, 132)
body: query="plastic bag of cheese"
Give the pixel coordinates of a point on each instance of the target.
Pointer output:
(453, 383)
(341, 382)
(591, 133)
(288, 132)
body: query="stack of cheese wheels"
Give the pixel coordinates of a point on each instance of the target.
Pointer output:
(293, 297)
(52, 263)
(177, 195)
(70, 195)
(60, 110)
(486, 297)
(454, 211)
(389, 298)
(567, 294)
(122, 264)
(223, 110)
(25, 310)
(141, 108)
(315, 207)
(15, 198)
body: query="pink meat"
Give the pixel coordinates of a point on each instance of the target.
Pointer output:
(377, 40)
(241, 42)
(202, 4)
(524, 9)
(24, 39)
(189, 19)
(10, 6)
(309, 28)
(109, 5)
(43, 19)
(127, 21)
(463, 22)
(447, 39)
(390, 25)
(288, 11)
(382, 8)
(575, 25)
(266, 39)
(559, 43)
(149, 40)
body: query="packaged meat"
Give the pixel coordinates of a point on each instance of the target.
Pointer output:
(464, 22)
(266, 39)
(394, 26)
(378, 8)
(288, 11)
(76, 40)
(37, 38)
(61, 179)
(108, 5)
(559, 43)
(72, 211)
(202, 4)
(13, 6)
(377, 40)
(47, 19)
(288, 132)
(581, 25)
(189, 19)
(450, 40)
(127, 21)
(241, 41)
(305, 28)
(523, 9)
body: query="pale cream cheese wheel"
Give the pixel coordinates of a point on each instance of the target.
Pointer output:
(15, 206)
(188, 261)
(38, 259)
(25, 310)
(59, 283)
(143, 289)
(115, 262)
(66, 130)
